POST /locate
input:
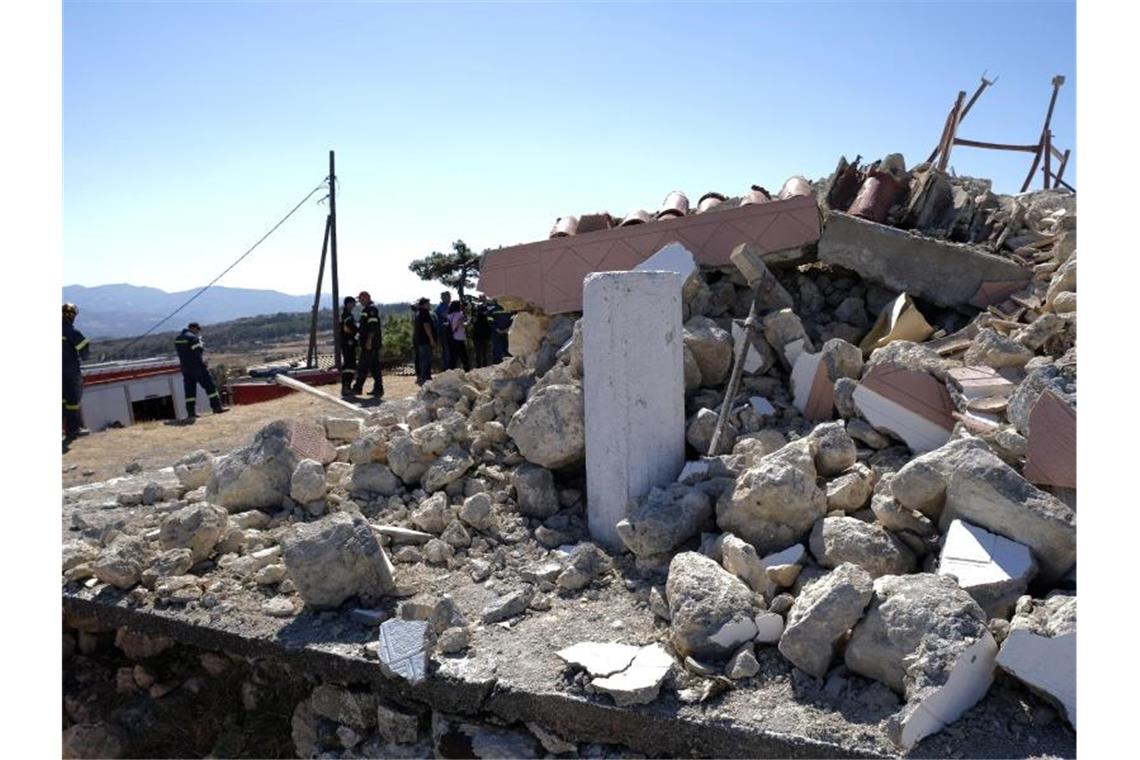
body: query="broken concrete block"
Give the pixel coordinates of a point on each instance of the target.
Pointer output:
(848, 540)
(776, 502)
(356, 709)
(536, 494)
(785, 333)
(197, 527)
(508, 606)
(711, 609)
(259, 475)
(749, 261)
(740, 558)
(813, 392)
(900, 319)
(821, 615)
(992, 569)
(1041, 650)
(404, 647)
(1024, 398)
(911, 405)
(672, 257)
(635, 412)
(921, 483)
(640, 683)
(664, 518)
(979, 382)
(992, 349)
(944, 273)
(926, 639)
(701, 428)
(599, 658)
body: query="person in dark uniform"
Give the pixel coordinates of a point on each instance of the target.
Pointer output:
(189, 346)
(75, 347)
(370, 341)
(481, 332)
(348, 330)
(501, 325)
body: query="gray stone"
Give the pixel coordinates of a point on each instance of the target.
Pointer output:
(850, 491)
(842, 359)
(374, 478)
(193, 470)
(335, 558)
(396, 725)
(356, 709)
(692, 370)
(836, 449)
(476, 511)
(404, 647)
(198, 527)
(847, 540)
(926, 639)
(921, 483)
(1026, 395)
(93, 740)
(897, 518)
(711, 609)
(259, 475)
(508, 606)
(700, 428)
(992, 349)
(844, 393)
(585, 563)
(1040, 331)
(947, 274)
(549, 429)
(774, 503)
(408, 460)
(122, 563)
(743, 664)
(551, 742)
(308, 482)
(481, 741)
(536, 494)
(1064, 281)
(433, 514)
(456, 535)
(664, 518)
(438, 552)
(821, 615)
(861, 430)
(711, 348)
(452, 465)
(740, 558)
(906, 354)
(454, 640)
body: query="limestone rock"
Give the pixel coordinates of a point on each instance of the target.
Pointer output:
(836, 449)
(926, 639)
(711, 609)
(193, 470)
(692, 370)
(664, 518)
(711, 347)
(740, 558)
(433, 514)
(526, 333)
(821, 614)
(850, 491)
(700, 429)
(476, 511)
(1026, 395)
(549, 429)
(197, 527)
(308, 482)
(335, 558)
(408, 460)
(536, 494)
(509, 606)
(992, 349)
(777, 501)
(356, 709)
(452, 465)
(343, 429)
(848, 540)
(374, 478)
(259, 475)
(122, 563)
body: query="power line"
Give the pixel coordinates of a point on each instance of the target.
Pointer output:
(224, 272)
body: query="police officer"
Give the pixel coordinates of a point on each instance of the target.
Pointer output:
(75, 347)
(370, 340)
(194, 372)
(348, 330)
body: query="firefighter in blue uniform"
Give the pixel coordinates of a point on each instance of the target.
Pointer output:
(348, 330)
(370, 340)
(75, 347)
(194, 371)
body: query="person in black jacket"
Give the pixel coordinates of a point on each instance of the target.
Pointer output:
(75, 347)
(481, 331)
(190, 348)
(348, 330)
(370, 341)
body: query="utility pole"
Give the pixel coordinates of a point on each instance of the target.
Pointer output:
(332, 251)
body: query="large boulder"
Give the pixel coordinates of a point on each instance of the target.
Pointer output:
(664, 518)
(259, 475)
(408, 460)
(711, 348)
(535, 491)
(821, 615)
(776, 502)
(193, 470)
(198, 527)
(926, 639)
(842, 540)
(526, 333)
(921, 483)
(550, 428)
(121, 564)
(711, 609)
(336, 558)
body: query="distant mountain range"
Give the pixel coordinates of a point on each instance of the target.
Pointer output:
(117, 311)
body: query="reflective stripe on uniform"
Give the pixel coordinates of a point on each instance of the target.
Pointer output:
(71, 407)
(198, 347)
(213, 395)
(81, 344)
(181, 342)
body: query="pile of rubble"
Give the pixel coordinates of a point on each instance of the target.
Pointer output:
(893, 497)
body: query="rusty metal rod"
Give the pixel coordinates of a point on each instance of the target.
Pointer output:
(973, 99)
(1057, 82)
(750, 326)
(1061, 168)
(1048, 156)
(993, 146)
(955, 119)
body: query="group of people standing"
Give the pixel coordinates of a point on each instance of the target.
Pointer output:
(447, 325)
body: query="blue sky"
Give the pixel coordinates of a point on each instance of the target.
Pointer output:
(189, 129)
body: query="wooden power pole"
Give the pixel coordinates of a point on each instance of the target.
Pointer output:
(332, 254)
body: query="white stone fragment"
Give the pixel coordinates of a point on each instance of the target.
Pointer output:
(992, 568)
(599, 658)
(769, 627)
(762, 406)
(639, 683)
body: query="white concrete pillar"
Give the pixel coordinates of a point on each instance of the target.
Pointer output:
(634, 390)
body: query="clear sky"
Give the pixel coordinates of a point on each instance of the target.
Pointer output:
(189, 129)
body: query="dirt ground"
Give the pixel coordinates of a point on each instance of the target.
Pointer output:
(153, 445)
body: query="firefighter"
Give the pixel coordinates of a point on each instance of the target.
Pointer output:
(75, 347)
(194, 372)
(370, 341)
(348, 330)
